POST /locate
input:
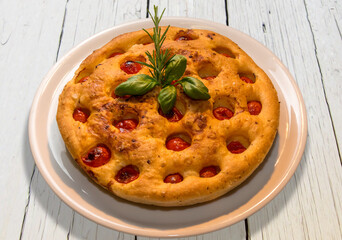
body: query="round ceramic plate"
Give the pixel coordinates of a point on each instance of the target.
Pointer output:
(85, 197)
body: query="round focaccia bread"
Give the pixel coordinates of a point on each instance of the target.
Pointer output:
(198, 152)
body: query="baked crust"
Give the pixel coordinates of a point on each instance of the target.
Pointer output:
(144, 147)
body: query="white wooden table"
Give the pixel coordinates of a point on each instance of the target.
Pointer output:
(304, 34)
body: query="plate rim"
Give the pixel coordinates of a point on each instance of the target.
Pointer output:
(142, 231)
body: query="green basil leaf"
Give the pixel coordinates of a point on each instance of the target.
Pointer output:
(175, 68)
(136, 85)
(167, 98)
(194, 88)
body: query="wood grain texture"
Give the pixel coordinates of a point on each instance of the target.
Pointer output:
(325, 20)
(309, 206)
(305, 35)
(26, 54)
(47, 216)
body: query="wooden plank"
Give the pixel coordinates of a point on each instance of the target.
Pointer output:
(26, 53)
(213, 11)
(47, 216)
(309, 206)
(325, 19)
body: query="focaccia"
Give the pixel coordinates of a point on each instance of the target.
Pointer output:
(196, 153)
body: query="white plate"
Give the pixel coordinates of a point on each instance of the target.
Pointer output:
(85, 197)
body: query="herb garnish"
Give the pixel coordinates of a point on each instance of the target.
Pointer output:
(165, 70)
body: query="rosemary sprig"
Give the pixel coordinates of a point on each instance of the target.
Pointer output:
(159, 59)
(165, 70)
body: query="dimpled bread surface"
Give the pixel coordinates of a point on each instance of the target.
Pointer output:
(208, 54)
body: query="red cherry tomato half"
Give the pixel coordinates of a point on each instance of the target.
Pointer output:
(183, 38)
(226, 55)
(174, 116)
(81, 114)
(127, 125)
(83, 79)
(177, 144)
(97, 156)
(254, 107)
(236, 147)
(209, 78)
(123, 97)
(114, 54)
(130, 67)
(173, 178)
(222, 113)
(246, 79)
(127, 174)
(210, 171)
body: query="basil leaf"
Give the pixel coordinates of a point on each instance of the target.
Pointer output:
(167, 98)
(136, 85)
(194, 88)
(175, 68)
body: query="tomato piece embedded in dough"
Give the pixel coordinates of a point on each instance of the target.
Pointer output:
(173, 178)
(121, 97)
(130, 67)
(222, 113)
(183, 38)
(97, 156)
(174, 116)
(127, 125)
(83, 79)
(236, 147)
(127, 174)
(226, 55)
(210, 171)
(246, 80)
(81, 115)
(254, 107)
(209, 78)
(177, 144)
(114, 54)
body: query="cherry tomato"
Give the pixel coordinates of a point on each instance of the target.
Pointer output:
(236, 147)
(177, 144)
(246, 79)
(127, 125)
(254, 107)
(173, 178)
(114, 54)
(222, 113)
(209, 78)
(97, 156)
(210, 171)
(127, 174)
(174, 116)
(130, 67)
(123, 97)
(81, 115)
(183, 38)
(226, 55)
(83, 79)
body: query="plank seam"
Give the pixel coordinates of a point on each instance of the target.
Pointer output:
(71, 225)
(338, 27)
(62, 31)
(247, 230)
(226, 9)
(321, 74)
(147, 8)
(325, 97)
(27, 204)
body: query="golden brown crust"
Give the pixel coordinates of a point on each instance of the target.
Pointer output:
(144, 147)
